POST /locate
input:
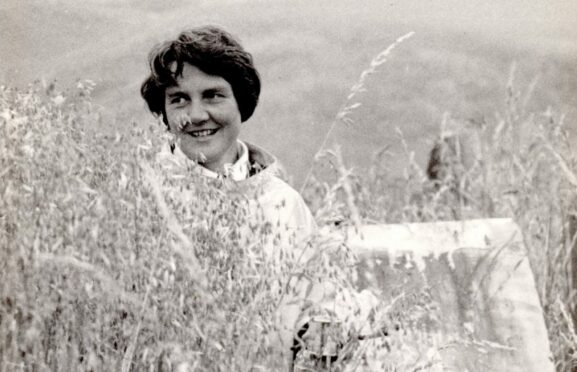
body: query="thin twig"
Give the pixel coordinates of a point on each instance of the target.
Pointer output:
(347, 108)
(128, 355)
(571, 177)
(193, 265)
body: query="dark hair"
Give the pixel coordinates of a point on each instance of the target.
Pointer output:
(213, 51)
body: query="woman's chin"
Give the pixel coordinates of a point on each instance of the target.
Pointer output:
(196, 156)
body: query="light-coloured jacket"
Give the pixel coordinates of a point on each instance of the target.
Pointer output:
(281, 205)
(291, 226)
(296, 230)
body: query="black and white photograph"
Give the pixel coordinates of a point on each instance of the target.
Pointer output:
(288, 185)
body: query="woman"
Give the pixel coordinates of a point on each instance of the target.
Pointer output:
(204, 86)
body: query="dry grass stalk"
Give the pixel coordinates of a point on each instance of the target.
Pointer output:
(344, 113)
(187, 253)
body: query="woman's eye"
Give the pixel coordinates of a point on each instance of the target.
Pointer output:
(213, 95)
(177, 100)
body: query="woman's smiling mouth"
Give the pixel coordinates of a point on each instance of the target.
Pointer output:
(203, 132)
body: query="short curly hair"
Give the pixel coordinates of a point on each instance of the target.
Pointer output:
(213, 51)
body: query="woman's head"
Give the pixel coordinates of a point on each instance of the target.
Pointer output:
(214, 52)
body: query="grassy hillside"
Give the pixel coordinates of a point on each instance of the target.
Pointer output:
(91, 276)
(118, 257)
(309, 55)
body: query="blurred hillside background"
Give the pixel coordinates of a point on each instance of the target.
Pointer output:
(309, 54)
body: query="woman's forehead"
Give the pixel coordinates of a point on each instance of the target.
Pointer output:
(191, 75)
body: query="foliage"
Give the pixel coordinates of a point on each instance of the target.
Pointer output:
(520, 164)
(116, 256)
(113, 255)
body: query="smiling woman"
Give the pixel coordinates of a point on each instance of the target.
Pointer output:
(204, 86)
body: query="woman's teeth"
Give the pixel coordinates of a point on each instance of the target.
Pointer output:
(203, 133)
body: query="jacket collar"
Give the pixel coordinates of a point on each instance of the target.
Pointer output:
(253, 160)
(260, 160)
(237, 171)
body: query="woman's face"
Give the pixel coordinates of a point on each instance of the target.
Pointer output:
(203, 115)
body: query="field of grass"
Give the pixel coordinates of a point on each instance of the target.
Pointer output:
(92, 276)
(111, 260)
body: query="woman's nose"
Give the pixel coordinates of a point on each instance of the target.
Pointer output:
(197, 113)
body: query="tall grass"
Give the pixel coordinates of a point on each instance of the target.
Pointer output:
(118, 256)
(115, 256)
(519, 164)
